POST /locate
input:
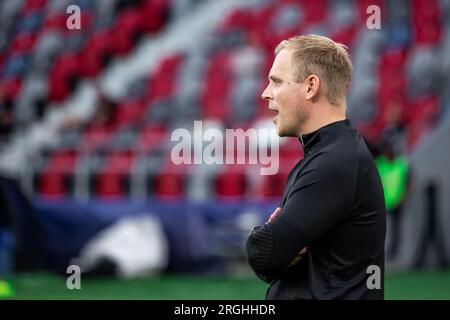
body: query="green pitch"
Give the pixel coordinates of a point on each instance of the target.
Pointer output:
(412, 285)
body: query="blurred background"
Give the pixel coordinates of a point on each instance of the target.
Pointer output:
(86, 117)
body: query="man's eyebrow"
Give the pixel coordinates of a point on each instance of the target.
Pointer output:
(274, 78)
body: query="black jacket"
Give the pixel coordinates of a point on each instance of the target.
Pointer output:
(333, 204)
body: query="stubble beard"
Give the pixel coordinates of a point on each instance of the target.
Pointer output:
(295, 125)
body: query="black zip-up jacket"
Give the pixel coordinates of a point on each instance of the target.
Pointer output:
(333, 204)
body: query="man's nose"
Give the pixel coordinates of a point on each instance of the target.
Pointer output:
(266, 95)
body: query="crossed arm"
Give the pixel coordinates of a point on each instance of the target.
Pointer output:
(316, 203)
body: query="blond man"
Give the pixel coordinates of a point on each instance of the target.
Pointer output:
(326, 238)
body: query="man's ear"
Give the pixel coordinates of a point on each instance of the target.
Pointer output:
(312, 86)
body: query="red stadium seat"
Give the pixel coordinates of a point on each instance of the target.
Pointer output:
(392, 85)
(31, 5)
(151, 137)
(290, 152)
(423, 110)
(238, 18)
(426, 9)
(98, 48)
(2, 60)
(346, 35)
(53, 180)
(109, 185)
(110, 180)
(63, 160)
(315, 11)
(162, 82)
(426, 21)
(130, 112)
(65, 72)
(214, 97)
(96, 137)
(128, 25)
(232, 182)
(169, 183)
(154, 14)
(427, 33)
(55, 22)
(23, 43)
(259, 18)
(271, 186)
(11, 88)
(120, 161)
(52, 185)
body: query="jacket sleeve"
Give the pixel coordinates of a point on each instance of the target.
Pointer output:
(318, 200)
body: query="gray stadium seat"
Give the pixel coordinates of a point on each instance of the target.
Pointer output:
(33, 90)
(124, 139)
(244, 98)
(49, 45)
(399, 10)
(361, 104)
(57, 6)
(287, 17)
(342, 13)
(422, 70)
(69, 138)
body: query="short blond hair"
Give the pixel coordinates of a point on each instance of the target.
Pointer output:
(319, 55)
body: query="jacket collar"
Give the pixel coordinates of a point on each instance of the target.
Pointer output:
(309, 140)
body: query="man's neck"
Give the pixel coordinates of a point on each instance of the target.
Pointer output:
(323, 117)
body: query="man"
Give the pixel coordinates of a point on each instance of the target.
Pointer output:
(395, 177)
(326, 240)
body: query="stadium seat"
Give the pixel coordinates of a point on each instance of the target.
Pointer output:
(11, 88)
(53, 181)
(16, 65)
(129, 112)
(111, 180)
(64, 76)
(24, 42)
(55, 22)
(31, 5)
(169, 183)
(52, 185)
(129, 26)
(220, 78)
(231, 182)
(96, 53)
(30, 22)
(162, 83)
(96, 138)
(151, 137)
(155, 14)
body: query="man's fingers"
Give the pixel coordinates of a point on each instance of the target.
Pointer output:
(298, 257)
(303, 251)
(274, 214)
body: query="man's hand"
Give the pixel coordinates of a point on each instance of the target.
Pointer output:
(274, 214)
(301, 253)
(298, 257)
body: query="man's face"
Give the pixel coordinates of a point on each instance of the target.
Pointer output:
(286, 96)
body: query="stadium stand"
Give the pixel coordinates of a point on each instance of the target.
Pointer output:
(116, 143)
